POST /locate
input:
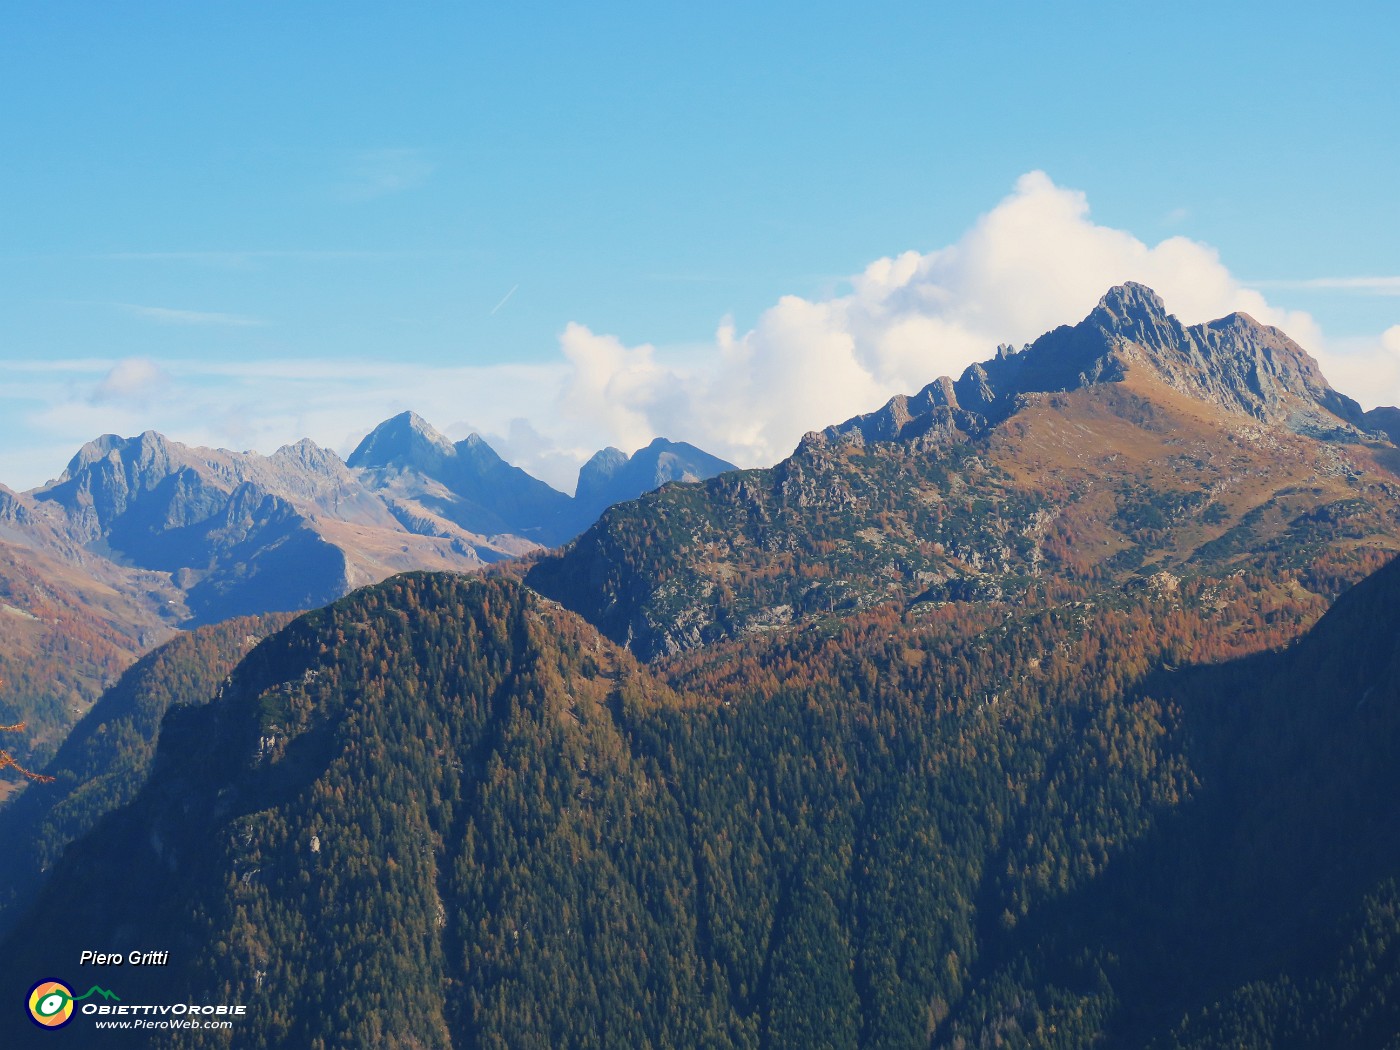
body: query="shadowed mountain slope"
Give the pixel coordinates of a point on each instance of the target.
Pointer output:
(1265, 911)
(69, 622)
(105, 760)
(460, 814)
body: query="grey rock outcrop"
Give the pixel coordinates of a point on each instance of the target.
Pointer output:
(1234, 363)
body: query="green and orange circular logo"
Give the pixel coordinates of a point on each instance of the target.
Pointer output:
(51, 1004)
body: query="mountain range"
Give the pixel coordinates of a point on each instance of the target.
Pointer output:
(140, 536)
(1054, 706)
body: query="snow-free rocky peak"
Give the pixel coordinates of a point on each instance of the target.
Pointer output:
(405, 440)
(1234, 363)
(612, 476)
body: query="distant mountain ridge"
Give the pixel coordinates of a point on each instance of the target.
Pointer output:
(424, 476)
(141, 535)
(238, 533)
(612, 476)
(241, 533)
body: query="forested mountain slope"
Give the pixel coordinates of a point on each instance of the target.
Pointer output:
(443, 810)
(66, 629)
(105, 760)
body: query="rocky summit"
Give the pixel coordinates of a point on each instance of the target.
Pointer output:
(1123, 446)
(612, 476)
(1233, 363)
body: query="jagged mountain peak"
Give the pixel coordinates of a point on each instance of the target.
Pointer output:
(94, 450)
(1234, 363)
(605, 461)
(679, 461)
(406, 439)
(310, 456)
(598, 476)
(612, 476)
(143, 448)
(1132, 300)
(477, 451)
(1135, 312)
(424, 477)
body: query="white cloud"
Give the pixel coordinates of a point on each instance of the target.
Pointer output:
(165, 315)
(132, 380)
(1034, 261)
(1367, 285)
(1366, 369)
(612, 391)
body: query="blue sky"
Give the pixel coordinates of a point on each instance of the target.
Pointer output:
(245, 223)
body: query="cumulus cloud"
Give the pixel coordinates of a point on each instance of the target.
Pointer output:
(1366, 369)
(612, 390)
(1033, 262)
(132, 381)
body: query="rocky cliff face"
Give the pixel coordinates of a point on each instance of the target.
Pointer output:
(1233, 363)
(235, 532)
